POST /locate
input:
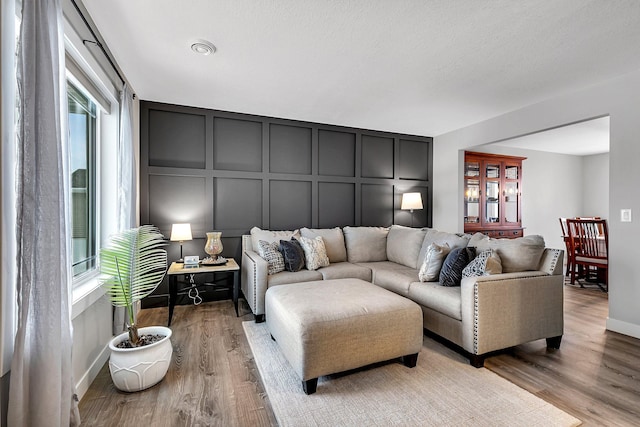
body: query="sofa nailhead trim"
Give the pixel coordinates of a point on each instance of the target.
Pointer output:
(475, 319)
(255, 280)
(554, 261)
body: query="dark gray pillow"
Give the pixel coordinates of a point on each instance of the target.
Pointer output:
(293, 254)
(456, 261)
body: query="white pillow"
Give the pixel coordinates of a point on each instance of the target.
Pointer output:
(315, 253)
(433, 259)
(270, 236)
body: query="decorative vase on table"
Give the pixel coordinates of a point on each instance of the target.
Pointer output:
(213, 247)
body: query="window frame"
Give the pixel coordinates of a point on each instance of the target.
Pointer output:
(90, 275)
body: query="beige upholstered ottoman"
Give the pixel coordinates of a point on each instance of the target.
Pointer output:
(329, 326)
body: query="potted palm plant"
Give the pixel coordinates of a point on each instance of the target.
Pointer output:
(133, 264)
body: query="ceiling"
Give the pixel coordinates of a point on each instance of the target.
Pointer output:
(581, 139)
(409, 66)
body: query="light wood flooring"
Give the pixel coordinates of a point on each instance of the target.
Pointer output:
(213, 381)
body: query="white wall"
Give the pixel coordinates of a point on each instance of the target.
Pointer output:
(617, 98)
(595, 188)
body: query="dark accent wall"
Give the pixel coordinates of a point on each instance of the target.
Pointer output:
(229, 172)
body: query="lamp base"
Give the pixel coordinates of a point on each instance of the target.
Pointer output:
(180, 261)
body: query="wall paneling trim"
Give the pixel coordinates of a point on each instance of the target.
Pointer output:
(229, 172)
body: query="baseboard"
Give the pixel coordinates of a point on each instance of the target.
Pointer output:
(83, 384)
(625, 328)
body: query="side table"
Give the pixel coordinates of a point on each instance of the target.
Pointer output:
(177, 269)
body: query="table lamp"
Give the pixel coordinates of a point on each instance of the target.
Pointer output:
(180, 233)
(411, 201)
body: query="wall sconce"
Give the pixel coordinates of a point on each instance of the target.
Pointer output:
(411, 201)
(180, 233)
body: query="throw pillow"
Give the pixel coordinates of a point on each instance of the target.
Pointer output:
(315, 253)
(270, 236)
(270, 253)
(521, 254)
(453, 240)
(366, 244)
(486, 263)
(333, 241)
(404, 244)
(293, 254)
(430, 269)
(456, 261)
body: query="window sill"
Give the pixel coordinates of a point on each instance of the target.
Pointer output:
(85, 294)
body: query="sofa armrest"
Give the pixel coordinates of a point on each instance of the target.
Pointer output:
(505, 310)
(551, 261)
(254, 280)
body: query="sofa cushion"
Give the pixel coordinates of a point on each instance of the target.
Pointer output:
(315, 254)
(381, 265)
(403, 245)
(521, 254)
(287, 277)
(269, 236)
(333, 241)
(456, 261)
(345, 270)
(441, 238)
(270, 253)
(484, 264)
(443, 299)
(293, 255)
(432, 264)
(397, 281)
(366, 244)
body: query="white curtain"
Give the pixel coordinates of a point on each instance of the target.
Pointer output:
(126, 163)
(126, 184)
(42, 388)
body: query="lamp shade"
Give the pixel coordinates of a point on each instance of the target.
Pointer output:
(411, 201)
(180, 232)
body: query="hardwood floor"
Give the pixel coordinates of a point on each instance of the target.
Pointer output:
(213, 380)
(595, 375)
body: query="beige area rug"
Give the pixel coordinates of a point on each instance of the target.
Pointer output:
(442, 390)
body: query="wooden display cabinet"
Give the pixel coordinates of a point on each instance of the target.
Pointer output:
(493, 194)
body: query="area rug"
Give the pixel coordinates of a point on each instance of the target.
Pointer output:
(442, 390)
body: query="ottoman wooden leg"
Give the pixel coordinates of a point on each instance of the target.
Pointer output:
(310, 386)
(410, 360)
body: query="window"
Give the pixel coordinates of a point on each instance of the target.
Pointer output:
(82, 145)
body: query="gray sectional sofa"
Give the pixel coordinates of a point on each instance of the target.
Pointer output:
(484, 314)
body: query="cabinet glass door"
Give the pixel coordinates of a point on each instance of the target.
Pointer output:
(492, 202)
(472, 169)
(472, 191)
(511, 202)
(472, 201)
(492, 193)
(511, 194)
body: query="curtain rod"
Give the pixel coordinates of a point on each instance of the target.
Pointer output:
(97, 43)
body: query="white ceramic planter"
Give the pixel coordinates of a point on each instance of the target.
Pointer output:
(135, 369)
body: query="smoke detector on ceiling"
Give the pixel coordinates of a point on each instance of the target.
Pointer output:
(203, 47)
